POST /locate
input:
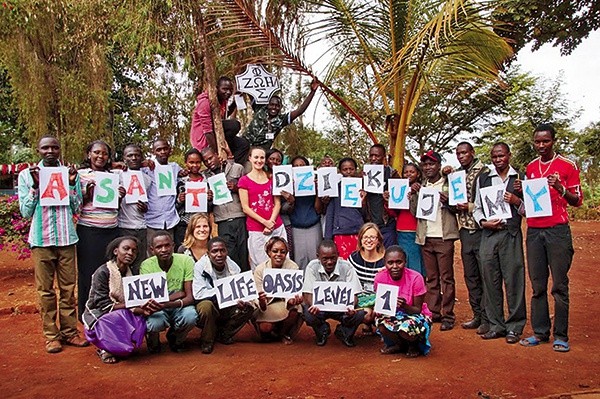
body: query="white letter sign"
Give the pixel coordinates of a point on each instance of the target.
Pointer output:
(232, 289)
(399, 189)
(457, 183)
(327, 182)
(429, 202)
(165, 180)
(492, 201)
(333, 296)
(218, 185)
(373, 179)
(135, 189)
(304, 181)
(350, 194)
(283, 283)
(386, 298)
(54, 186)
(536, 195)
(106, 190)
(257, 82)
(196, 197)
(282, 179)
(140, 289)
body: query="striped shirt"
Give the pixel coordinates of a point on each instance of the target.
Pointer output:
(50, 225)
(366, 271)
(92, 216)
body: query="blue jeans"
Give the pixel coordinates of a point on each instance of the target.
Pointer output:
(181, 321)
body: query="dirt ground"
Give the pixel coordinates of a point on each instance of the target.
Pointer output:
(461, 364)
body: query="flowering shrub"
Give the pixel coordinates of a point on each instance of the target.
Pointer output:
(14, 229)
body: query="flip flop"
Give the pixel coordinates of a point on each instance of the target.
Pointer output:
(531, 341)
(106, 357)
(560, 346)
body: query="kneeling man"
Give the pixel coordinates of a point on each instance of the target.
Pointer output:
(328, 267)
(219, 324)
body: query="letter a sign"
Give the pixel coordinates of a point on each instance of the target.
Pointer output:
(54, 186)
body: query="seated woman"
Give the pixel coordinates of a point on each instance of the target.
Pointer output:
(197, 234)
(367, 260)
(277, 318)
(113, 329)
(408, 331)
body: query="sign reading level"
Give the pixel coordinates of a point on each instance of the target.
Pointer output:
(333, 296)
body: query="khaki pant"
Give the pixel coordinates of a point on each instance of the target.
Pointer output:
(48, 262)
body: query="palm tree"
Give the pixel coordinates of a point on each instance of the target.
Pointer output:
(402, 45)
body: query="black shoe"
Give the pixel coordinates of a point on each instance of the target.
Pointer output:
(446, 326)
(153, 342)
(483, 329)
(225, 340)
(348, 341)
(512, 337)
(322, 339)
(493, 335)
(206, 347)
(471, 324)
(173, 345)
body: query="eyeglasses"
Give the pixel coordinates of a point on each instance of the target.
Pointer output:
(370, 238)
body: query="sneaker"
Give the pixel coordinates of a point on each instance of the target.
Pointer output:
(53, 346)
(446, 326)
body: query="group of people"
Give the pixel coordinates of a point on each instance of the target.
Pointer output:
(257, 230)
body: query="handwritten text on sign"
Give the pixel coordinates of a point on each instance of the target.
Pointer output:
(429, 202)
(386, 299)
(218, 185)
(399, 189)
(196, 197)
(333, 296)
(350, 194)
(492, 201)
(135, 188)
(240, 287)
(327, 182)
(304, 181)
(282, 179)
(536, 195)
(373, 179)
(164, 178)
(106, 191)
(282, 283)
(257, 82)
(457, 183)
(140, 289)
(54, 186)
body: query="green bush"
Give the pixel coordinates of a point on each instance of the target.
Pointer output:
(14, 229)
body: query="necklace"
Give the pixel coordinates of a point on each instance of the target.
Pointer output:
(542, 174)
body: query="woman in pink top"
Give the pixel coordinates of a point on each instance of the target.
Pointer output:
(408, 331)
(260, 206)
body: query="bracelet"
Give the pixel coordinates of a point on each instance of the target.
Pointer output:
(180, 303)
(564, 192)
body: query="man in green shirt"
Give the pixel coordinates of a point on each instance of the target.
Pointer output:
(178, 314)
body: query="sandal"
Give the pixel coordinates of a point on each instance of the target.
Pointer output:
(560, 346)
(287, 340)
(390, 350)
(413, 351)
(367, 331)
(106, 357)
(531, 341)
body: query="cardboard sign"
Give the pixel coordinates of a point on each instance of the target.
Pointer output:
(493, 204)
(106, 191)
(54, 186)
(282, 179)
(257, 82)
(196, 196)
(536, 195)
(373, 179)
(304, 181)
(457, 183)
(327, 182)
(165, 180)
(386, 298)
(135, 189)
(232, 289)
(399, 189)
(350, 193)
(140, 289)
(428, 203)
(283, 283)
(218, 185)
(331, 296)
(240, 104)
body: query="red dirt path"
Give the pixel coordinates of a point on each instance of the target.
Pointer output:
(461, 365)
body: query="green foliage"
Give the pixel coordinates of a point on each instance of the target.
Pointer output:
(14, 229)
(564, 23)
